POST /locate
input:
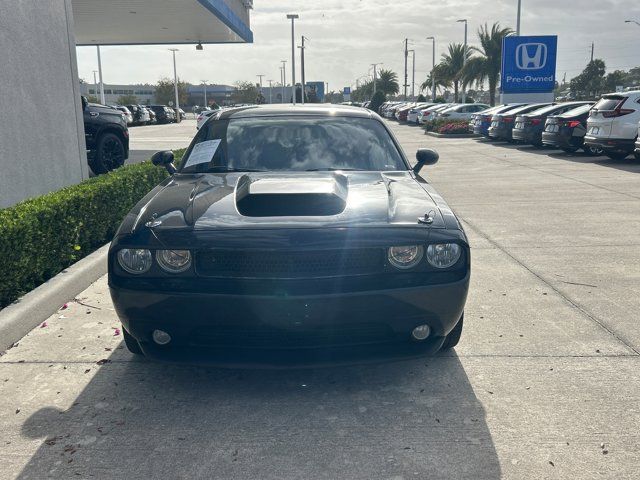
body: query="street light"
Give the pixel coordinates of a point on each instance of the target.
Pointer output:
(375, 75)
(175, 84)
(284, 78)
(632, 21)
(293, 17)
(204, 82)
(464, 59)
(413, 74)
(433, 67)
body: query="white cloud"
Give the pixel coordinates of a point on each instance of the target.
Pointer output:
(346, 37)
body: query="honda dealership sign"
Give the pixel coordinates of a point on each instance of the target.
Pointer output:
(528, 64)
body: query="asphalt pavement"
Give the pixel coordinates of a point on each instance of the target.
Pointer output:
(544, 384)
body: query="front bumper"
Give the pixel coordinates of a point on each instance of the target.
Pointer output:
(285, 329)
(611, 144)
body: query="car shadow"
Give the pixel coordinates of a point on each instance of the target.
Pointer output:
(143, 419)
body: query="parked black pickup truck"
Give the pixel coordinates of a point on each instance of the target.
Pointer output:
(106, 136)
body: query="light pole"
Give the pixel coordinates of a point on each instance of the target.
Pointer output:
(375, 76)
(284, 78)
(302, 76)
(270, 90)
(464, 60)
(433, 67)
(413, 74)
(293, 17)
(518, 18)
(100, 76)
(204, 82)
(632, 21)
(175, 85)
(260, 77)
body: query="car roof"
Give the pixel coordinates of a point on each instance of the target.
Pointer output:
(577, 111)
(320, 110)
(554, 106)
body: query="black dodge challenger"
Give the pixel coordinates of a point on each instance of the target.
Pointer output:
(291, 235)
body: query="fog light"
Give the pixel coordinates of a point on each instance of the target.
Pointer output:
(161, 337)
(420, 332)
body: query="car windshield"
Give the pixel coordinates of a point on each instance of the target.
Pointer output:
(578, 110)
(293, 143)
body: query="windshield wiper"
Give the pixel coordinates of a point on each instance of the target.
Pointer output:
(331, 169)
(226, 170)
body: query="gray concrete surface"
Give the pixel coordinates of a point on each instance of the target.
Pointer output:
(544, 384)
(42, 145)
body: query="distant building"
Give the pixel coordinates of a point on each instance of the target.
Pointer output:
(220, 93)
(144, 93)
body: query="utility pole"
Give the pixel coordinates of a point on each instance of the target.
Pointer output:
(284, 78)
(175, 85)
(375, 76)
(406, 74)
(100, 76)
(304, 93)
(592, 48)
(293, 17)
(204, 82)
(260, 77)
(464, 60)
(413, 75)
(433, 67)
(518, 18)
(270, 90)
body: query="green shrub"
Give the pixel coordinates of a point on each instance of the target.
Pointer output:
(378, 99)
(42, 236)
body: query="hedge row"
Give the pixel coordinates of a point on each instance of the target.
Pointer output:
(42, 236)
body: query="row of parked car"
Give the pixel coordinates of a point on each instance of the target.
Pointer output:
(610, 126)
(149, 114)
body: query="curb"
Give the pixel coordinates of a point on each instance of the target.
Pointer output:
(455, 135)
(22, 316)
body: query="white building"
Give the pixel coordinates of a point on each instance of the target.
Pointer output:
(41, 126)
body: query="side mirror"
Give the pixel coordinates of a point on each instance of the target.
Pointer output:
(164, 159)
(425, 156)
(85, 102)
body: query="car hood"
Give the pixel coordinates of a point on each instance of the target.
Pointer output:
(295, 199)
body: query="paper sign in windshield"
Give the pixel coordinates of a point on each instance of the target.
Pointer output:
(203, 152)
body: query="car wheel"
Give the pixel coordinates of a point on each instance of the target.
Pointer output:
(109, 154)
(593, 151)
(132, 344)
(617, 155)
(570, 149)
(453, 338)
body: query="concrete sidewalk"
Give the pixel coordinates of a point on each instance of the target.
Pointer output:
(545, 382)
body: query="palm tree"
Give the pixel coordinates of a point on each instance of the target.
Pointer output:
(487, 65)
(441, 78)
(452, 64)
(388, 82)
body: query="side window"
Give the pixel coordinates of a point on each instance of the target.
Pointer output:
(463, 110)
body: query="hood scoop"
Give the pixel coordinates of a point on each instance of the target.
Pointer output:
(293, 195)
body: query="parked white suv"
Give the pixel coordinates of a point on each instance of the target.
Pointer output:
(613, 124)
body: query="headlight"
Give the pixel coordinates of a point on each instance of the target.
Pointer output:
(174, 261)
(405, 257)
(443, 255)
(135, 260)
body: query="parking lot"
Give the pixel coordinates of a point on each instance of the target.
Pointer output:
(544, 384)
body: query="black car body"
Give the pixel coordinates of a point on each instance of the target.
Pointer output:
(293, 263)
(502, 123)
(482, 121)
(163, 113)
(106, 136)
(567, 131)
(528, 128)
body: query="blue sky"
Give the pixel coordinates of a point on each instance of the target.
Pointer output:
(346, 37)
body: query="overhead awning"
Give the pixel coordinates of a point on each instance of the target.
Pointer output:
(151, 22)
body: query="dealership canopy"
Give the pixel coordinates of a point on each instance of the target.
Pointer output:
(147, 22)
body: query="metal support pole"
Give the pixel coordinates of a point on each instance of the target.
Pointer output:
(270, 91)
(204, 82)
(413, 75)
(302, 69)
(518, 19)
(284, 79)
(433, 67)
(293, 56)
(102, 101)
(464, 60)
(175, 85)
(406, 74)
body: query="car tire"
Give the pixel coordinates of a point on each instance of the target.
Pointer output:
(593, 151)
(453, 338)
(132, 344)
(109, 155)
(571, 149)
(617, 155)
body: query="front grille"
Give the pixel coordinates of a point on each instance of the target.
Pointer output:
(265, 337)
(286, 264)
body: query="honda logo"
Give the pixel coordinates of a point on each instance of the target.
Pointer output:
(531, 56)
